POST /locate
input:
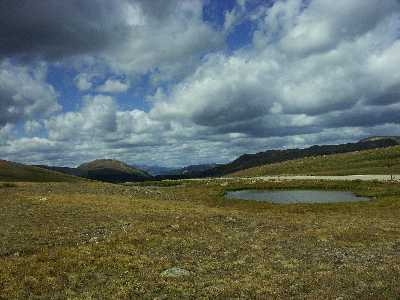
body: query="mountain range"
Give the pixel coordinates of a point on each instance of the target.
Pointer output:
(274, 156)
(116, 171)
(108, 170)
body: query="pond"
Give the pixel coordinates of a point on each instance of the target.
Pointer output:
(295, 196)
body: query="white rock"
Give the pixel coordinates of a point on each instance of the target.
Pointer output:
(175, 272)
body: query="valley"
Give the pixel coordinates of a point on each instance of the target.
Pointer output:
(100, 240)
(168, 239)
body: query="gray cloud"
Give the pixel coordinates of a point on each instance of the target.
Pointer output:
(125, 35)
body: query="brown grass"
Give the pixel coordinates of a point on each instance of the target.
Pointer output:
(376, 161)
(103, 241)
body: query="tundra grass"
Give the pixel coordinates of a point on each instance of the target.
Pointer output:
(376, 161)
(101, 241)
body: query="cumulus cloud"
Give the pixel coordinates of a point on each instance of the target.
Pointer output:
(6, 134)
(96, 118)
(282, 87)
(310, 68)
(113, 86)
(83, 82)
(24, 93)
(32, 127)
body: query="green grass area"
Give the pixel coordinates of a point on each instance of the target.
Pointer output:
(92, 240)
(377, 161)
(10, 171)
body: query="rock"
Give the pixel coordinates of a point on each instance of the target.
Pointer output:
(175, 272)
(94, 240)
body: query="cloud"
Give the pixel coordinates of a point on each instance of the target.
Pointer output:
(83, 82)
(113, 86)
(6, 134)
(25, 94)
(32, 127)
(313, 72)
(281, 88)
(96, 118)
(134, 37)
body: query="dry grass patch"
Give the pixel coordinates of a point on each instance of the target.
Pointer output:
(103, 241)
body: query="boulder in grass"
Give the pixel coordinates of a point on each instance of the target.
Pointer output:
(175, 272)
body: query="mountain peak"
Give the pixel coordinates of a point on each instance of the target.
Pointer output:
(112, 170)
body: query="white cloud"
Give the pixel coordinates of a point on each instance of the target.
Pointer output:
(24, 93)
(309, 70)
(83, 82)
(280, 88)
(96, 119)
(32, 127)
(113, 86)
(6, 134)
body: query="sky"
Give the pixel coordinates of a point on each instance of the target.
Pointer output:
(175, 83)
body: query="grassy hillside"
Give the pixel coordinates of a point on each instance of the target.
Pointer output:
(247, 161)
(112, 171)
(10, 171)
(376, 161)
(102, 241)
(111, 164)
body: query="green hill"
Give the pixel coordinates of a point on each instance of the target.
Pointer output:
(247, 161)
(376, 161)
(11, 171)
(112, 171)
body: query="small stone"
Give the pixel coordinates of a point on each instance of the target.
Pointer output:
(94, 240)
(175, 272)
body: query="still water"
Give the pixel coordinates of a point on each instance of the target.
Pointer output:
(295, 196)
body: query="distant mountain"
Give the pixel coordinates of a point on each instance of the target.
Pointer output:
(165, 172)
(108, 170)
(155, 170)
(192, 169)
(11, 171)
(383, 161)
(378, 138)
(273, 156)
(65, 170)
(112, 171)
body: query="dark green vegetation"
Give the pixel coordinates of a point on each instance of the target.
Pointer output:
(10, 171)
(376, 161)
(247, 161)
(93, 240)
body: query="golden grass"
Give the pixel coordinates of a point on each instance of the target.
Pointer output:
(376, 161)
(104, 241)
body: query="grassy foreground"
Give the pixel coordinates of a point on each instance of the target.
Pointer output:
(91, 240)
(376, 161)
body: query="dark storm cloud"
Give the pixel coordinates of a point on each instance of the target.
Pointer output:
(361, 117)
(54, 28)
